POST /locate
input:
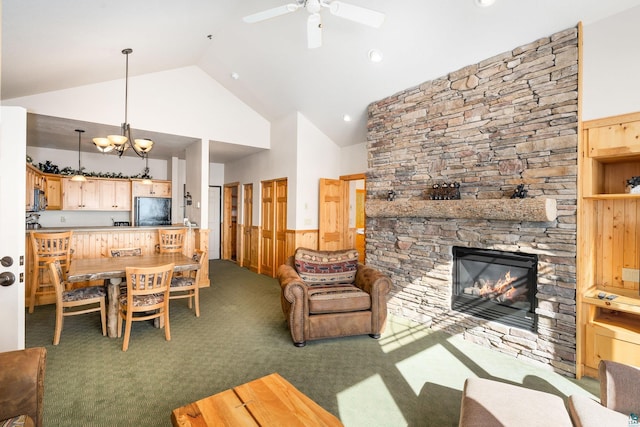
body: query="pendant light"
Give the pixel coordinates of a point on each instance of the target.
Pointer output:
(79, 176)
(120, 143)
(146, 178)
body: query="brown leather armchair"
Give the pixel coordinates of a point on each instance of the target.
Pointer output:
(22, 384)
(326, 294)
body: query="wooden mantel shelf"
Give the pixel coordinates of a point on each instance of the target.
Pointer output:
(534, 209)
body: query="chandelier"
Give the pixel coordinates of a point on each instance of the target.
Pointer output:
(120, 143)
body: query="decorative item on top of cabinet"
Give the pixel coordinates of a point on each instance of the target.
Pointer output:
(156, 189)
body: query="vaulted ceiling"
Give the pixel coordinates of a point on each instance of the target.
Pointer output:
(51, 45)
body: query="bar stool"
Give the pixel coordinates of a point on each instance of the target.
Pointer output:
(47, 247)
(171, 241)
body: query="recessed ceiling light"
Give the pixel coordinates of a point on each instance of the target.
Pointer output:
(346, 118)
(375, 55)
(235, 76)
(484, 3)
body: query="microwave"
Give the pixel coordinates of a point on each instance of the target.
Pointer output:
(39, 200)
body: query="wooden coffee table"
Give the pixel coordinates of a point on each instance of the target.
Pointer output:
(267, 401)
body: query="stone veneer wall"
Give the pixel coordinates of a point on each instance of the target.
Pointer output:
(507, 120)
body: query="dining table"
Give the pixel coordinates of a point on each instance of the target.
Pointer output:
(113, 269)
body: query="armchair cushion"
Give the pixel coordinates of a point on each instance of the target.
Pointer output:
(337, 299)
(322, 267)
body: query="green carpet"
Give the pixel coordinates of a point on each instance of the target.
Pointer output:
(411, 376)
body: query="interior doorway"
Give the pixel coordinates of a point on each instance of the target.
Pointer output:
(215, 221)
(230, 222)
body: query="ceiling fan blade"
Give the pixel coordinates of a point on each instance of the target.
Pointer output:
(358, 14)
(271, 13)
(314, 31)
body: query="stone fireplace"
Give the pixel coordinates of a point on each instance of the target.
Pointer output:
(509, 120)
(495, 285)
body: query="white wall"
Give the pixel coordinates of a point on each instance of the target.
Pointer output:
(278, 162)
(318, 157)
(611, 66)
(301, 153)
(198, 171)
(184, 101)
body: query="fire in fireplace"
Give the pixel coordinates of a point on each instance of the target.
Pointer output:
(496, 285)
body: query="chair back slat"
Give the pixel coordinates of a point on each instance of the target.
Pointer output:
(149, 280)
(171, 241)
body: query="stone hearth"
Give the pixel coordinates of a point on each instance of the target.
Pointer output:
(508, 120)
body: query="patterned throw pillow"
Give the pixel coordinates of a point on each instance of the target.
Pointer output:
(324, 267)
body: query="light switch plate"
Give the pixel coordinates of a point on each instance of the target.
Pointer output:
(631, 275)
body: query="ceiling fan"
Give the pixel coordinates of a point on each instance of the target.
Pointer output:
(358, 14)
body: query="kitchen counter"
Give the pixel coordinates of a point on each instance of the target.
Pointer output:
(108, 228)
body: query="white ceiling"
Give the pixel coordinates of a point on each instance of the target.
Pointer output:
(51, 45)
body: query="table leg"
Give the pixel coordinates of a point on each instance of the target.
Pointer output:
(113, 291)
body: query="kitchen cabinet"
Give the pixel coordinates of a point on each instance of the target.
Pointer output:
(115, 195)
(78, 195)
(35, 180)
(155, 189)
(608, 258)
(53, 192)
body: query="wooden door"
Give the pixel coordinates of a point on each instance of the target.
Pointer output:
(229, 222)
(332, 219)
(281, 222)
(360, 224)
(267, 235)
(247, 210)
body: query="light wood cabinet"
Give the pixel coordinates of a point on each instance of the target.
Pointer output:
(53, 192)
(80, 195)
(608, 258)
(156, 189)
(115, 195)
(35, 180)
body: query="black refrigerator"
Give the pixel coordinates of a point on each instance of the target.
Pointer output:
(152, 211)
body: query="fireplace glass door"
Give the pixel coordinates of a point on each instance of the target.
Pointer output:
(495, 285)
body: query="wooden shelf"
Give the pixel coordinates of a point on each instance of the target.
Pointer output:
(533, 210)
(619, 196)
(628, 302)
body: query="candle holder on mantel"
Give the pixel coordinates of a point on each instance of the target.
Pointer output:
(445, 191)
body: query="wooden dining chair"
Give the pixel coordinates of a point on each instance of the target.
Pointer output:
(171, 241)
(188, 284)
(147, 298)
(47, 247)
(89, 299)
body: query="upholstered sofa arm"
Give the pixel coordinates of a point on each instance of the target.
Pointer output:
(619, 387)
(372, 281)
(22, 383)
